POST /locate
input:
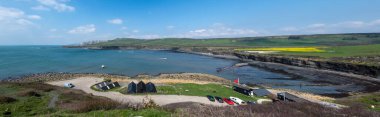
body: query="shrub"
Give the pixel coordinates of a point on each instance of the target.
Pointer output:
(91, 105)
(4, 100)
(29, 93)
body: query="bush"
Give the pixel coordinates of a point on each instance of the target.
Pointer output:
(4, 100)
(28, 93)
(91, 105)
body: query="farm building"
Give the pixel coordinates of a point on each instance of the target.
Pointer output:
(107, 85)
(243, 90)
(132, 88)
(151, 88)
(285, 96)
(141, 87)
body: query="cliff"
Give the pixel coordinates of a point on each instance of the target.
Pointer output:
(367, 70)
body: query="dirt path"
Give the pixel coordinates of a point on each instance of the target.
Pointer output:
(54, 99)
(85, 83)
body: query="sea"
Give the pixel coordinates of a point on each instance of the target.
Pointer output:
(18, 61)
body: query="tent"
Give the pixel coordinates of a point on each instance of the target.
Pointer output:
(106, 85)
(141, 87)
(151, 88)
(132, 87)
(103, 85)
(261, 92)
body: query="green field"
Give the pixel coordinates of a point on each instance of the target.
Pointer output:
(202, 90)
(269, 41)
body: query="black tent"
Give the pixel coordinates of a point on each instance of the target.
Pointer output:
(141, 87)
(151, 88)
(132, 87)
(261, 92)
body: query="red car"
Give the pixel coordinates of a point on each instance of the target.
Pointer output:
(228, 101)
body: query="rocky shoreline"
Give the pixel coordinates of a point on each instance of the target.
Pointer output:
(48, 77)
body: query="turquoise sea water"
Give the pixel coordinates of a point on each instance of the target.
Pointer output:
(23, 60)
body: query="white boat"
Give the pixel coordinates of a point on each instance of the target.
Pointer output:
(163, 58)
(103, 66)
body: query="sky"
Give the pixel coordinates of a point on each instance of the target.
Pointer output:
(61, 22)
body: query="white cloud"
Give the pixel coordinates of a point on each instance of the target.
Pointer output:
(115, 21)
(135, 31)
(40, 8)
(340, 27)
(53, 30)
(14, 19)
(85, 29)
(34, 17)
(170, 27)
(58, 5)
(318, 25)
(123, 28)
(289, 29)
(10, 13)
(219, 30)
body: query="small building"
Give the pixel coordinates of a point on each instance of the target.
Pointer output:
(141, 87)
(107, 85)
(132, 88)
(150, 88)
(285, 96)
(243, 90)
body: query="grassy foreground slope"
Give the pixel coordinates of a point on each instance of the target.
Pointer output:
(295, 40)
(38, 99)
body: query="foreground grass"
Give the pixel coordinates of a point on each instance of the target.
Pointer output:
(202, 90)
(32, 99)
(119, 113)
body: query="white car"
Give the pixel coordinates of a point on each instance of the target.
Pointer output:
(68, 85)
(237, 100)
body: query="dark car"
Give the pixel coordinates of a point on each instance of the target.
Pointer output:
(211, 98)
(219, 99)
(251, 102)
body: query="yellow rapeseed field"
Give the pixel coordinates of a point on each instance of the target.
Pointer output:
(285, 49)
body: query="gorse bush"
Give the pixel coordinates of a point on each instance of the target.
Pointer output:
(5, 99)
(278, 110)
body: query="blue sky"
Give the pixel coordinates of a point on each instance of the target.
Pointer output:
(52, 22)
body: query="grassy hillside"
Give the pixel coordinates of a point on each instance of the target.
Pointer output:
(294, 40)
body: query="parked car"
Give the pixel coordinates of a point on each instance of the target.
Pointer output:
(251, 102)
(68, 85)
(228, 101)
(211, 98)
(237, 100)
(219, 99)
